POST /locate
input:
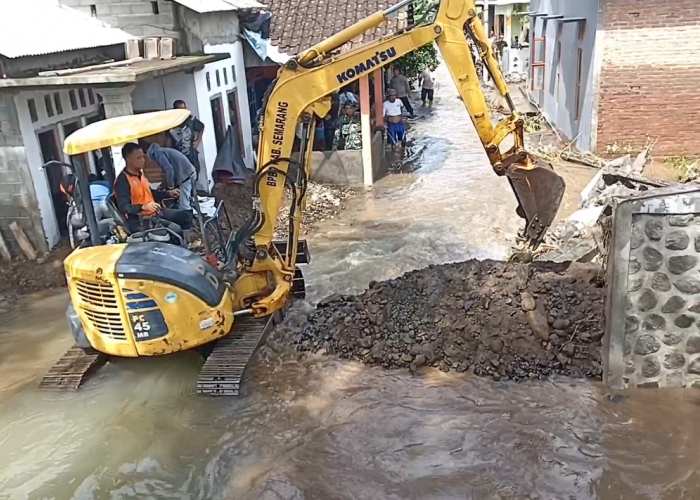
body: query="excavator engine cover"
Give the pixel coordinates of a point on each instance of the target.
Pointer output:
(539, 191)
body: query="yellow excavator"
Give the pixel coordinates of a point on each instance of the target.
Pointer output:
(147, 298)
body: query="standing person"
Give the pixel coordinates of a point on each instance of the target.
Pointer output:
(393, 112)
(427, 84)
(188, 137)
(348, 135)
(179, 173)
(402, 88)
(135, 197)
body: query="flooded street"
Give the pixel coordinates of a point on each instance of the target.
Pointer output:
(322, 429)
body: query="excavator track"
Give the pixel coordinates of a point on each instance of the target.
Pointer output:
(223, 370)
(74, 367)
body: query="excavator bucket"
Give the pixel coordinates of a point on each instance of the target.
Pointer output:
(539, 191)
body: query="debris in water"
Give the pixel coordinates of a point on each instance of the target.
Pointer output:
(505, 321)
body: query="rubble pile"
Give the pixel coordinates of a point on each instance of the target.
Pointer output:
(506, 321)
(322, 202)
(583, 236)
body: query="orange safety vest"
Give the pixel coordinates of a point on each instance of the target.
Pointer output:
(140, 191)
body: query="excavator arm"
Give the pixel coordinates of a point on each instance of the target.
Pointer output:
(300, 92)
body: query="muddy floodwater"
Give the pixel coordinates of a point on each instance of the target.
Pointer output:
(319, 428)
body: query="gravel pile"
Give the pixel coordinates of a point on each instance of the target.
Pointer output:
(506, 321)
(322, 202)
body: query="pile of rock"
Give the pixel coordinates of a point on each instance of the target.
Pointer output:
(507, 321)
(582, 236)
(322, 202)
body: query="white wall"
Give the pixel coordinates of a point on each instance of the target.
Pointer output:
(30, 130)
(235, 50)
(233, 66)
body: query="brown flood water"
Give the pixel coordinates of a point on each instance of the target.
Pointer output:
(318, 428)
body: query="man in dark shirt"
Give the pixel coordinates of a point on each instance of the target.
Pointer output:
(187, 137)
(134, 195)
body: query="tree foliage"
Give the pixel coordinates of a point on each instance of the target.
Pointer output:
(413, 63)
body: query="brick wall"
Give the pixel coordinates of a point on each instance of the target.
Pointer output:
(650, 75)
(136, 17)
(17, 197)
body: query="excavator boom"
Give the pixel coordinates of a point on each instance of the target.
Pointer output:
(300, 91)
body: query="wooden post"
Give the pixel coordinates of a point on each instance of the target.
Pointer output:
(4, 251)
(378, 96)
(366, 131)
(23, 241)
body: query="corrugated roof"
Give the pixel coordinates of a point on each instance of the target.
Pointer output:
(203, 6)
(33, 27)
(300, 24)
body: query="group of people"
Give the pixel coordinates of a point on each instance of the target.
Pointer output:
(396, 107)
(132, 192)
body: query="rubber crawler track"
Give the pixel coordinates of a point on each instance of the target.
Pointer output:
(74, 367)
(223, 370)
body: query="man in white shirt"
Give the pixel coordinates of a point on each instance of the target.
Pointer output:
(427, 83)
(393, 112)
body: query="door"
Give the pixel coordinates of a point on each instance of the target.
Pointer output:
(235, 117)
(217, 113)
(48, 142)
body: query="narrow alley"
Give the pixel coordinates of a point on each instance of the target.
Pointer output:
(315, 427)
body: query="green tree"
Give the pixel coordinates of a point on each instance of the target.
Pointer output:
(413, 63)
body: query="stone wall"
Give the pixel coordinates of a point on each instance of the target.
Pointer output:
(662, 341)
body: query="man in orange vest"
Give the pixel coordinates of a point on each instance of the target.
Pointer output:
(134, 195)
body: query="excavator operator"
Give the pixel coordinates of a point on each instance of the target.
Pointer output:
(135, 197)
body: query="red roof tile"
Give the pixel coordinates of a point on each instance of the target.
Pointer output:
(299, 24)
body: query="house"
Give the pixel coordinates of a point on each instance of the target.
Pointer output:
(64, 67)
(297, 25)
(618, 72)
(507, 19)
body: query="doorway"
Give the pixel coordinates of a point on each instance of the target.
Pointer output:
(235, 116)
(217, 113)
(48, 142)
(78, 161)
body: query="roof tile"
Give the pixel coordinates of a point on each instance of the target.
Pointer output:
(300, 24)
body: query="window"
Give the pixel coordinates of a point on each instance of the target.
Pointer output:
(154, 8)
(93, 10)
(581, 30)
(57, 102)
(81, 95)
(208, 82)
(233, 74)
(218, 79)
(538, 65)
(91, 96)
(73, 100)
(579, 73)
(49, 105)
(32, 110)
(225, 77)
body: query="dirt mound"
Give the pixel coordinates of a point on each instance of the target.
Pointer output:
(509, 321)
(21, 277)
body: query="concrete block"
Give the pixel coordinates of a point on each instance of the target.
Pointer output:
(159, 20)
(140, 8)
(134, 30)
(153, 31)
(12, 175)
(7, 190)
(103, 10)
